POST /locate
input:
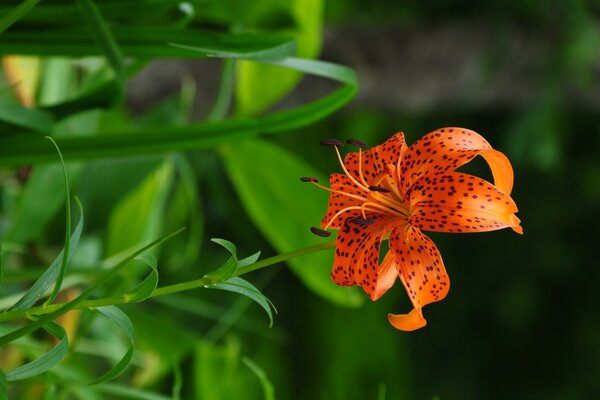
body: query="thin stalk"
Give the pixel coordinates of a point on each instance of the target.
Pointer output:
(165, 290)
(225, 94)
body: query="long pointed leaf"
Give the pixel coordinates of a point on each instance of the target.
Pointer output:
(46, 361)
(121, 319)
(243, 287)
(14, 150)
(49, 277)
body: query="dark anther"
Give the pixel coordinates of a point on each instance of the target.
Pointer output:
(357, 143)
(320, 232)
(379, 189)
(364, 221)
(309, 179)
(332, 142)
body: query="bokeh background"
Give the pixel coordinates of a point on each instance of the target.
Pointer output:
(521, 320)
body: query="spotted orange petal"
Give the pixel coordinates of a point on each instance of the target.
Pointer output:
(421, 271)
(356, 259)
(457, 202)
(375, 161)
(446, 149)
(345, 194)
(386, 275)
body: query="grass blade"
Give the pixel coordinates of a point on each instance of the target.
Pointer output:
(46, 361)
(104, 38)
(243, 287)
(50, 276)
(38, 121)
(14, 151)
(142, 291)
(16, 14)
(121, 319)
(9, 337)
(267, 386)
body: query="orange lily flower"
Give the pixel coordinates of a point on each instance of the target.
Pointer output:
(398, 190)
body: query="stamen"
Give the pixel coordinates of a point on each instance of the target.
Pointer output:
(309, 179)
(352, 196)
(375, 188)
(332, 142)
(363, 221)
(320, 232)
(363, 187)
(357, 143)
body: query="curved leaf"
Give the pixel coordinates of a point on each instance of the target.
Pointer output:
(121, 319)
(51, 275)
(243, 287)
(15, 150)
(46, 361)
(142, 291)
(267, 386)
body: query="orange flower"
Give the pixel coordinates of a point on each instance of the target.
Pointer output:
(398, 190)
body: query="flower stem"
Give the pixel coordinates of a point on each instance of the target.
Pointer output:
(165, 290)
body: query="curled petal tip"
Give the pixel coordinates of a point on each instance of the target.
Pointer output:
(320, 232)
(332, 142)
(516, 225)
(357, 143)
(407, 322)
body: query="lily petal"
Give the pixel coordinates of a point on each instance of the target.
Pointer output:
(421, 271)
(374, 162)
(446, 149)
(408, 322)
(457, 202)
(386, 275)
(356, 259)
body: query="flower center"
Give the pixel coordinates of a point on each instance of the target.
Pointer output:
(382, 197)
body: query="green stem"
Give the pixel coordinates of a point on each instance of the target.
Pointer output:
(225, 94)
(162, 291)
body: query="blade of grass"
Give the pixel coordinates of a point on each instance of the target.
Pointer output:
(14, 150)
(104, 38)
(121, 319)
(267, 386)
(47, 360)
(16, 14)
(66, 252)
(7, 338)
(50, 276)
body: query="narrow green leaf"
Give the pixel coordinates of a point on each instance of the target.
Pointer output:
(227, 244)
(104, 38)
(29, 119)
(9, 337)
(148, 42)
(66, 251)
(282, 208)
(14, 150)
(46, 361)
(142, 291)
(249, 260)
(16, 14)
(243, 287)
(229, 268)
(267, 386)
(224, 272)
(50, 276)
(121, 319)
(3, 386)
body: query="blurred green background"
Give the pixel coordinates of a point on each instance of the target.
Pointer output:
(520, 321)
